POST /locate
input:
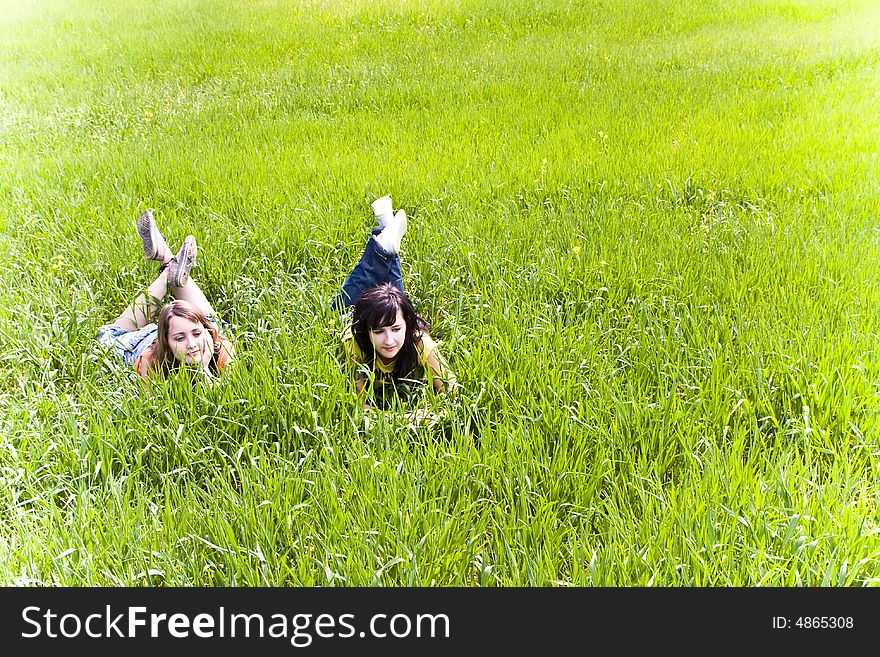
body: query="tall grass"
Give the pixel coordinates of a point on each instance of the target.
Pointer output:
(645, 233)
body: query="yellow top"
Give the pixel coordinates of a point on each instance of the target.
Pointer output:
(382, 371)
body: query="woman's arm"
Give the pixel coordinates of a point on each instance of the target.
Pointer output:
(355, 361)
(226, 353)
(360, 382)
(442, 377)
(144, 365)
(142, 368)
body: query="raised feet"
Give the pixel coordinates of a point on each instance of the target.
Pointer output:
(180, 265)
(389, 238)
(155, 247)
(383, 211)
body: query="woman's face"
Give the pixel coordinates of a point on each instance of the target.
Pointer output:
(190, 342)
(388, 340)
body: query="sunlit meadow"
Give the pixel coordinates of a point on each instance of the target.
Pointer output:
(645, 233)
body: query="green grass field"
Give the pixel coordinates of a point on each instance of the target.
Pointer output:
(645, 232)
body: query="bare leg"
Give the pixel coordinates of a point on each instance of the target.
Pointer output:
(194, 295)
(144, 309)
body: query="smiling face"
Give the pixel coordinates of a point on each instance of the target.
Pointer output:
(190, 341)
(387, 340)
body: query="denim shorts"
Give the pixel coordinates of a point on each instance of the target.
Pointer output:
(129, 345)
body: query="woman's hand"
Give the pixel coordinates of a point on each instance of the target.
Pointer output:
(206, 351)
(418, 418)
(423, 417)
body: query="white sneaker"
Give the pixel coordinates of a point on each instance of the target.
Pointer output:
(383, 210)
(401, 218)
(389, 238)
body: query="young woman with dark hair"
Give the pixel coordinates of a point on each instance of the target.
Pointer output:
(186, 331)
(387, 343)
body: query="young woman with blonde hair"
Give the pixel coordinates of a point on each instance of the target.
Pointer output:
(156, 338)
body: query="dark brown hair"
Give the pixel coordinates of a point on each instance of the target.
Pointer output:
(377, 308)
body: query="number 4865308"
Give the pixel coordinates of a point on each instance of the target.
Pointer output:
(824, 622)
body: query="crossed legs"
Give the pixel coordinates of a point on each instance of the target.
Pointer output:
(146, 306)
(174, 269)
(380, 261)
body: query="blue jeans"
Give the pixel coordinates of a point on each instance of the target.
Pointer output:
(375, 266)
